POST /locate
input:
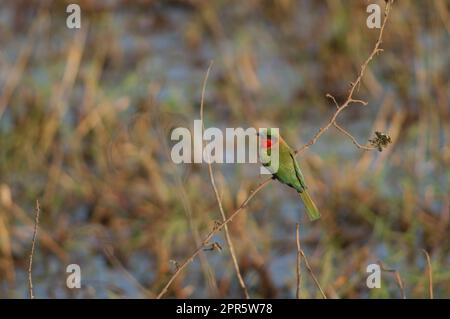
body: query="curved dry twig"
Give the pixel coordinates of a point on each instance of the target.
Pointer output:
(308, 267)
(350, 99)
(219, 201)
(218, 225)
(350, 136)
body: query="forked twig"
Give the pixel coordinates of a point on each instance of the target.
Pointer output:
(350, 136)
(350, 99)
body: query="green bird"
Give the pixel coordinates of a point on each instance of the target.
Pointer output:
(288, 172)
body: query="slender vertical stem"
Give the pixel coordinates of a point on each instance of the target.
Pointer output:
(33, 243)
(216, 193)
(430, 274)
(299, 261)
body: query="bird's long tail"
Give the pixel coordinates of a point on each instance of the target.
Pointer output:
(311, 209)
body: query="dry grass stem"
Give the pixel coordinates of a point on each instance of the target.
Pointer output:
(299, 261)
(33, 244)
(430, 274)
(219, 201)
(313, 276)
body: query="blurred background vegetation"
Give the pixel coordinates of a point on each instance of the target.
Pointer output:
(85, 120)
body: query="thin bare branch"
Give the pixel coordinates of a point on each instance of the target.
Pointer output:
(328, 95)
(219, 201)
(33, 244)
(308, 267)
(363, 147)
(430, 274)
(358, 101)
(299, 261)
(345, 132)
(353, 87)
(216, 229)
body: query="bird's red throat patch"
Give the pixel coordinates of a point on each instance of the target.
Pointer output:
(266, 143)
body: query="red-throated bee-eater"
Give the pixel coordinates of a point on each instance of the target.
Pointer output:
(288, 172)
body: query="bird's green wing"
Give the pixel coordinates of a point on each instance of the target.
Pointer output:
(298, 172)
